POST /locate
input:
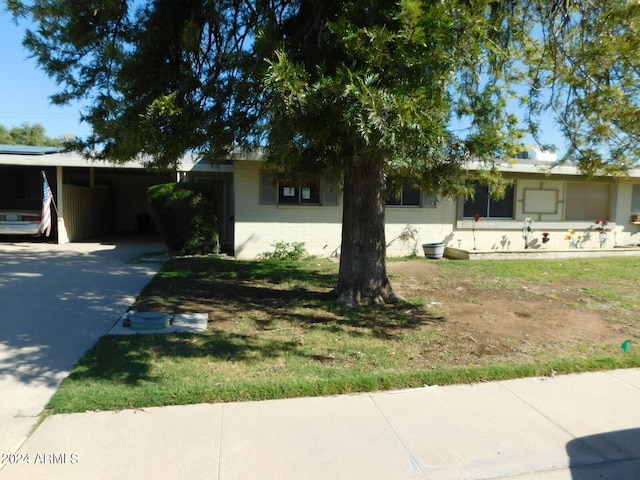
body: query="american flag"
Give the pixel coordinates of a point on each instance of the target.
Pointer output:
(47, 197)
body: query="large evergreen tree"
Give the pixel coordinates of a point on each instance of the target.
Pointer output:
(362, 92)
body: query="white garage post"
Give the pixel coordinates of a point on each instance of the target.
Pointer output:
(63, 237)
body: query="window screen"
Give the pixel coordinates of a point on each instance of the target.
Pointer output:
(587, 201)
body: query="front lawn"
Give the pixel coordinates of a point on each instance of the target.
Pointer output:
(274, 331)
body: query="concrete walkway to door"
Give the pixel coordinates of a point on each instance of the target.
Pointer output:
(55, 302)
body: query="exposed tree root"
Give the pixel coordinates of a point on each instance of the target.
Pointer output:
(352, 298)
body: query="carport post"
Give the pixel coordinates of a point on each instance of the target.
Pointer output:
(63, 237)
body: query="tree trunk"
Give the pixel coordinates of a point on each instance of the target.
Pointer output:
(363, 273)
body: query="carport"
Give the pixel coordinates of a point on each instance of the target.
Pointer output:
(92, 197)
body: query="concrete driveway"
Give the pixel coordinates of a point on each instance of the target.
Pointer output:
(55, 302)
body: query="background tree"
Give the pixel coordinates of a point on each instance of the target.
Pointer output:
(27, 135)
(364, 93)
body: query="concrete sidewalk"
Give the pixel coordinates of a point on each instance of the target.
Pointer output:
(579, 427)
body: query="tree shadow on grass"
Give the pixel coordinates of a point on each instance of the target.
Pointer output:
(272, 292)
(129, 359)
(386, 322)
(272, 298)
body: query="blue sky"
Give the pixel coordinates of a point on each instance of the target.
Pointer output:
(25, 90)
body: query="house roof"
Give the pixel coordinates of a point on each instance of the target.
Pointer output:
(193, 163)
(543, 167)
(40, 156)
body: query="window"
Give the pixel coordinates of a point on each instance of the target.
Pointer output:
(407, 197)
(635, 198)
(587, 201)
(274, 191)
(330, 195)
(292, 193)
(487, 207)
(268, 188)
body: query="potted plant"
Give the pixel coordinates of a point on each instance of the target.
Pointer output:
(433, 250)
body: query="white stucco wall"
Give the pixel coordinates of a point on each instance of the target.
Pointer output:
(431, 225)
(258, 227)
(626, 232)
(506, 234)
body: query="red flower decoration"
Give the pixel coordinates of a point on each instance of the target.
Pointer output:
(602, 226)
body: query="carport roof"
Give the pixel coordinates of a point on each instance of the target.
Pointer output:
(35, 156)
(28, 150)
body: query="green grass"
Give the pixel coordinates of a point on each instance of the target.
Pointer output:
(281, 335)
(612, 269)
(160, 370)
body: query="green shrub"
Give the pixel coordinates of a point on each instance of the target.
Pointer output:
(186, 216)
(285, 251)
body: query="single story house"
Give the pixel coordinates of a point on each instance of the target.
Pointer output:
(257, 209)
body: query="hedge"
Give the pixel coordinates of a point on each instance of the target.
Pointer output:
(187, 217)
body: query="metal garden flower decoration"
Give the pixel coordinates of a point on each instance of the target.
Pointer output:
(575, 240)
(601, 226)
(545, 237)
(527, 230)
(476, 218)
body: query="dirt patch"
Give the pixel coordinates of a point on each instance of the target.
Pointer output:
(487, 315)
